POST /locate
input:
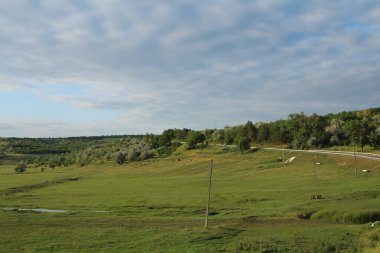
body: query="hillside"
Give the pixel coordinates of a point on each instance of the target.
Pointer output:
(158, 205)
(147, 193)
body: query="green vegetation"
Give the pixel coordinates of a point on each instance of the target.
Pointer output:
(147, 193)
(158, 205)
(300, 131)
(194, 138)
(20, 168)
(55, 145)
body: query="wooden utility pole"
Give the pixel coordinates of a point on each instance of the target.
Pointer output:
(283, 156)
(315, 178)
(356, 164)
(209, 194)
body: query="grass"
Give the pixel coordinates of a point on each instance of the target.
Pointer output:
(158, 205)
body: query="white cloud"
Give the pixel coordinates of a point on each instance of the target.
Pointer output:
(163, 64)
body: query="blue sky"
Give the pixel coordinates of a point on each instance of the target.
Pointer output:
(70, 68)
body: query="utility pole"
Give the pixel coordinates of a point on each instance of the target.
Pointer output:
(283, 156)
(356, 164)
(209, 193)
(315, 178)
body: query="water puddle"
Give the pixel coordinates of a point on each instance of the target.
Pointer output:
(45, 210)
(36, 210)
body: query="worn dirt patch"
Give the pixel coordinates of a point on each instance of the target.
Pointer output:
(29, 187)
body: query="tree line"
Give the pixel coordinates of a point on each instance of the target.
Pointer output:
(298, 131)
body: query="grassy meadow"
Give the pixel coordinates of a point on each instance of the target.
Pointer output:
(158, 205)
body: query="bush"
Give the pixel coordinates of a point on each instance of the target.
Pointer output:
(146, 154)
(305, 215)
(133, 153)
(164, 151)
(21, 168)
(120, 158)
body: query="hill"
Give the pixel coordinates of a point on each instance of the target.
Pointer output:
(158, 205)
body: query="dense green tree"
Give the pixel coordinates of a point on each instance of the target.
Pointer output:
(360, 129)
(243, 144)
(194, 138)
(279, 132)
(181, 134)
(263, 132)
(229, 135)
(152, 139)
(317, 125)
(300, 128)
(166, 138)
(250, 131)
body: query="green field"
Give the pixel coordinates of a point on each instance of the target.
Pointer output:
(158, 205)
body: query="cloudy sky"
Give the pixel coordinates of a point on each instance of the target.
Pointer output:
(94, 67)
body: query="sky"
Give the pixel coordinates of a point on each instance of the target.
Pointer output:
(76, 67)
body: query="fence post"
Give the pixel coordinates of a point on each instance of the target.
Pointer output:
(209, 194)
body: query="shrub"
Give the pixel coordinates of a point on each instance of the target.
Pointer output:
(305, 215)
(133, 153)
(20, 168)
(146, 154)
(120, 158)
(164, 151)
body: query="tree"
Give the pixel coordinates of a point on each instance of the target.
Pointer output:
(360, 130)
(194, 138)
(243, 144)
(166, 138)
(209, 134)
(335, 132)
(317, 125)
(152, 139)
(301, 128)
(228, 136)
(263, 132)
(279, 132)
(375, 138)
(218, 136)
(375, 134)
(181, 134)
(250, 131)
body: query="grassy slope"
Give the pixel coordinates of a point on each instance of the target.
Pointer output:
(158, 205)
